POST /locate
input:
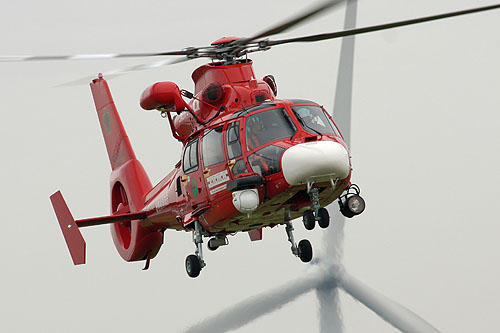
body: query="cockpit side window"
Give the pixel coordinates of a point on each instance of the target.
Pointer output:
(212, 150)
(233, 145)
(233, 140)
(267, 126)
(190, 158)
(266, 161)
(313, 119)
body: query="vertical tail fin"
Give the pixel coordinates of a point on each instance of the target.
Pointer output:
(128, 181)
(115, 137)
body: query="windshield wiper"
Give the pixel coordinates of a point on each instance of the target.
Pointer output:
(301, 121)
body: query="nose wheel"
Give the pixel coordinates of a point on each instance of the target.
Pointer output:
(316, 214)
(309, 219)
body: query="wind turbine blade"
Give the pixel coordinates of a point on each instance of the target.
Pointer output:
(329, 311)
(343, 94)
(392, 312)
(254, 307)
(324, 278)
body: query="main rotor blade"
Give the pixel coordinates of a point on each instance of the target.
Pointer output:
(393, 313)
(332, 35)
(186, 52)
(254, 307)
(121, 71)
(301, 18)
(287, 24)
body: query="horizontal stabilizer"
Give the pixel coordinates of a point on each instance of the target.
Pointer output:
(111, 219)
(69, 228)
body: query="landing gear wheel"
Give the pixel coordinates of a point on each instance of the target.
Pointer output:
(324, 218)
(308, 219)
(193, 266)
(305, 250)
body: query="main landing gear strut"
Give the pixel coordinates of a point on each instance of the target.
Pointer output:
(303, 250)
(195, 262)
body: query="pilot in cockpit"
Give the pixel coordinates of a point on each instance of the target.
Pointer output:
(255, 133)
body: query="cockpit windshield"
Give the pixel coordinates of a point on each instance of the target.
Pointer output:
(267, 126)
(313, 119)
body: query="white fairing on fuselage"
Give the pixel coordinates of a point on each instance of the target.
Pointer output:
(315, 162)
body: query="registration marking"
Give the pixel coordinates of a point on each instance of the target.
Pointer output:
(217, 179)
(217, 189)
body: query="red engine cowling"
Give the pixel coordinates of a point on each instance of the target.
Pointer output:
(129, 185)
(164, 95)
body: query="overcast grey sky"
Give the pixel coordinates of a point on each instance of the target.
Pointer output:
(424, 145)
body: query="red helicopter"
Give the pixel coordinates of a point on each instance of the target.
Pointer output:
(249, 160)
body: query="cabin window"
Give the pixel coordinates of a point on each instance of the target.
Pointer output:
(233, 140)
(190, 158)
(178, 187)
(212, 150)
(239, 167)
(314, 120)
(267, 126)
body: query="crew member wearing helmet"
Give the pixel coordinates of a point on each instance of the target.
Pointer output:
(255, 131)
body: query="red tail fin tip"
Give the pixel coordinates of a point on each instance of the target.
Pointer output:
(115, 137)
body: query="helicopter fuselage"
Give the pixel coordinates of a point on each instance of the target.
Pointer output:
(277, 149)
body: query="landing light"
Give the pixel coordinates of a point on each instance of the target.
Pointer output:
(356, 204)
